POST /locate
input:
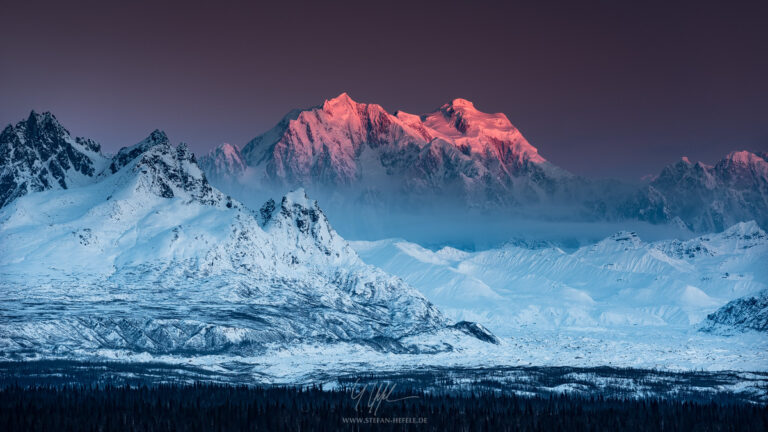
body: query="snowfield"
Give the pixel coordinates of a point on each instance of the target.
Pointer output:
(621, 302)
(618, 283)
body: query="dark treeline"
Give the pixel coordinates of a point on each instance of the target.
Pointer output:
(205, 407)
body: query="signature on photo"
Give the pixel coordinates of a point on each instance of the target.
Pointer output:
(376, 395)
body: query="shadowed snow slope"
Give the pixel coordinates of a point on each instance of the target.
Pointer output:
(151, 258)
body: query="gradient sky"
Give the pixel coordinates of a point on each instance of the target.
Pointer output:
(601, 88)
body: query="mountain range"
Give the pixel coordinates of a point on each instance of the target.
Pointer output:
(706, 197)
(139, 253)
(138, 256)
(360, 154)
(353, 155)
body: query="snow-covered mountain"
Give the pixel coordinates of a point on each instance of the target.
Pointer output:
(149, 257)
(39, 154)
(363, 150)
(707, 197)
(621, 282)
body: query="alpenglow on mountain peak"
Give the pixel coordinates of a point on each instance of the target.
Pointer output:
(461, 102)
(455, 150)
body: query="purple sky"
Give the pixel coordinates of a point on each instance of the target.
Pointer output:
(600, 88)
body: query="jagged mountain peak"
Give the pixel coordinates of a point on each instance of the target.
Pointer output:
(298, 198)
(300, 223)
(157, 137)
(45, 119)
(472, 130)
(39, 126)
(467, 116)
(227, 148)
(38, 154)
(170, 172)
(343, 111)
(127, 154)
(341, 101)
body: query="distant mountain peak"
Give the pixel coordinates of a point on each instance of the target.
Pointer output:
(708, 197)
(342, 98)
(342, 101)
(348, 144)
(460, 103)
(745, 157)
(228, 148)
(225, 160)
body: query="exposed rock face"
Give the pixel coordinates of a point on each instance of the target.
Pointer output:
(477, 330)
(743, 314)
(39, 154)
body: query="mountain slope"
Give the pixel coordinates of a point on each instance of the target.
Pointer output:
(151, 258)
(39, 154)
(621, 282)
